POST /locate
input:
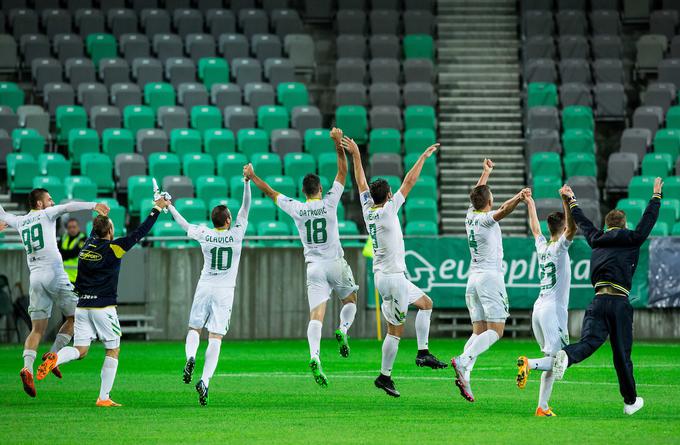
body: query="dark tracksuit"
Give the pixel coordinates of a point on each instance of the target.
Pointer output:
(613, 262)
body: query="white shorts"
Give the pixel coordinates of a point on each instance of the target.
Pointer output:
(211, 308)
(96, 322)
(549, 323)
(486, 297)
(326, 277)
(397, 294)
(49, 287)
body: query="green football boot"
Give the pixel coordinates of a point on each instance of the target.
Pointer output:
(343, 342)
(317, 372)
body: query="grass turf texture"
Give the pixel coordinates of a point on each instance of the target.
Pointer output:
(263, 392)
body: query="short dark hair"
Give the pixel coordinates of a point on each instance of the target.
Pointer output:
(101, 226)
(615, 218)
(219, 215)
(35, 196)
(379, 188)
(480, 196)
(311, 184)
(556, 223)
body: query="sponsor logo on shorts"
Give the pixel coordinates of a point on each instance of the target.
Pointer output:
(88, 255)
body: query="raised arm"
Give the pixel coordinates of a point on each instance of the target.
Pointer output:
(245, 204)
(7, 219)
(266, 189)
(511, 204)
(413, 174)
(127, 242)
(486, 172)
(179, 218)
(570, 232)
(534, 224)
(359, 175)
(587, 227)
(341, 176)
(651, 214)
(58, 210)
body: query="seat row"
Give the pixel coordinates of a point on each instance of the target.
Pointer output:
(570, 22)
(572, 47)
(385, 94)
(384, 21)
(388, 46)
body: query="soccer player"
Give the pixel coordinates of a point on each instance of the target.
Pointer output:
(327, 271)
(485, 294)
(97, 289)
(381, 215)
(49, 284)
(214, 296)
(610, 314)
(549, 318)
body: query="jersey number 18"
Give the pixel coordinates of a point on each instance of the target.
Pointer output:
(316, 231)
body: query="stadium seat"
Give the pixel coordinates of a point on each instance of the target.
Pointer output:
(420, 117)
(673, 117)
(393, 181)
(577, 140)
(99, 168)
(266, 164)
(185, 141)
(676, 229)
(659, 229)
(384, 140)
(28, 141)
(231, 204)
(284, 141)
(67, 118)
(633, 208)
(116, 215)
(168, 228)
(416, 140)
(421, 228)
(195, 165)
(212, 70)
(292, 94)
(54, 184)
(641, 187)
(546, 187)
(580, 164)
(139, 188)
(219, 140)
(225, 95)
(273, 228)
(138, 117)
(348, 228)
(170, 118)
(21, 169)
(54, 164)
(230, 165)
(670, 211)
(328, 167)
(421, 209)
(425, 187)
(192, 209)
(272, 118)
(384, 164)
(671, 188)
(578, 117)
(11, 95)
(101, 46)
(162, 165)
(419, 46)
(251, 141)
(236, 188)
(211, 187)
(317, 141)
(178, 186)
(283, 184)
(298, 165)
(667, 141)
(258, 94)
(116, 141)
(541, 94)
(429, 168)
(80, 141)
(81, 188)
(546, 163)
(206, 118)
(354, 122)
(159, 94)
(657, 164)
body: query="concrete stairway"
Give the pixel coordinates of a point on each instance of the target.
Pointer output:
(480, 111)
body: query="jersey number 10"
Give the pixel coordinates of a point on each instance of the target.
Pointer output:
(32, 237)
(217, 262)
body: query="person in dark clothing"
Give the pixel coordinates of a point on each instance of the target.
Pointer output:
(97, 289)
(610, 314)
(69, 248)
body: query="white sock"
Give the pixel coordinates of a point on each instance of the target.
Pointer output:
(547, 380)
(191, 345)
(469, 342)
(389, 353)
(479, 345)
(212, 354)
(29, 358)
(67, 354)
(108, 376)
(423, 327)
(471, 362)
(541, 364)
(314, 338)
(60, 341)
(347, 314)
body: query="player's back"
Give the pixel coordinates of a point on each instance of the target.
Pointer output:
(554, 271)
(221, 252)
(485, 241)
(38, 234)
(98, 270)
(384, 228)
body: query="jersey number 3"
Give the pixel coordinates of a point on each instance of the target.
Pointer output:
(32, 237)
(316, 231)
(218, 262)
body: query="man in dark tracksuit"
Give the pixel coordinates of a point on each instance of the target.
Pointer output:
(612, 266)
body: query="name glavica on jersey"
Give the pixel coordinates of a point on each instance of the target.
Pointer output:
(219, 239)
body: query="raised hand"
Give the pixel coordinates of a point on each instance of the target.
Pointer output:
(566, 192)
(526, 195)
(248, 171)
(336, 135)
(349, 145)
(162, 203)
(488, 165)
(102, 209)
(658, 185)
(430, 150)
(3, 225)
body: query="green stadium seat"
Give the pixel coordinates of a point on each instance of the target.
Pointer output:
(348, 228)
(542, 94)
(184, 141)
(206, 118)
(673, 118)
(262, 209)
(192, 209)
(418, 46)
(578, 140)
(328, 167)
(138, 117)
(298, 165)
(251, 141)
(211, 187)
(162, 165)
(546, 163)
(354, 122)
(676, 229)
(633, 208)
(116, 141)
(429, 168)
(81, 141)
(29, 141)
(341, 211)
(580, 164)
(80, 187)
(421, 228)
(384, 140)
(67, 118)
(667, 140)
(671, 187)
(544, 228)
(139, 189)
(425, 187)
(11, 95)
(421, 209)
(266, 164)
(546, 187)
(159, 94)
(168, 228)
(236, 189)
(317, 141)
(101, 46)
(99, 168)
(657, 164)
(282, 184)
(420, 116)
(577, 116)
(213, 70)
(670, 211)
(230, 165)
(292, 94)
(641, 187)
(273, 228)
(145, 207)
(218, 140)
(195, 165)
(116, 215)
(21, 169)
(54, 164)
(272, 118)
(660, 229)
(325, 186)
(393, 181)
(416, 140)
(232, 204)
(53, 184)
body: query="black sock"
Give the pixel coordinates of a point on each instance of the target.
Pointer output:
(423, 352)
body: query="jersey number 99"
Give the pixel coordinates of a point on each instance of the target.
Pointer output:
(32, 237)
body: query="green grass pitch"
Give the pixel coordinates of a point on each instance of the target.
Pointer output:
(264, 393)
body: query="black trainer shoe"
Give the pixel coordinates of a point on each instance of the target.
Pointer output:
(386, 384)
(202, 391)
(430, 361)
(189, 370)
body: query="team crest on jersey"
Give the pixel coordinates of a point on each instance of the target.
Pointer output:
(88, 255)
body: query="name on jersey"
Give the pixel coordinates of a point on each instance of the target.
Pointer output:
(313, 212)
(219, 239)
(471, 222)
(373, 216)
(30, 220)
(88, 255)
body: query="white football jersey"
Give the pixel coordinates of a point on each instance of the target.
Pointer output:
(317, 224)
(385, 230)
(221, 252)
(485, 241)
(554, 270)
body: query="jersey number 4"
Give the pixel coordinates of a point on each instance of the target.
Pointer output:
(32, 237)
(218, 261)
(472, 242)
(316, 231)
